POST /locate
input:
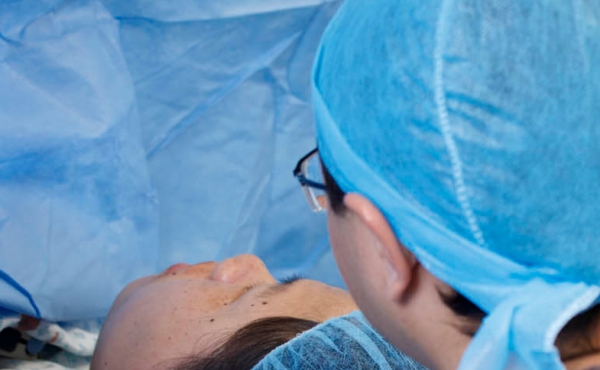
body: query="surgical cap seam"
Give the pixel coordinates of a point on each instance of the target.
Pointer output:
(578, 14)
(457, 171)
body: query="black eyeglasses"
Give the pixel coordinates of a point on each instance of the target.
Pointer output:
(309, 173)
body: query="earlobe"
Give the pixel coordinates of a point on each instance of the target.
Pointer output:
(396, 262)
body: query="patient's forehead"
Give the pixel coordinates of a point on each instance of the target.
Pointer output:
(177, 318)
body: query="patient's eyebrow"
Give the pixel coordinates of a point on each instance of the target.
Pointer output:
(279, 288)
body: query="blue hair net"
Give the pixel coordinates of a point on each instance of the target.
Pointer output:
(473, 126)
(347, 342)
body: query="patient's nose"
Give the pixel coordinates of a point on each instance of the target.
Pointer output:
(244, 268)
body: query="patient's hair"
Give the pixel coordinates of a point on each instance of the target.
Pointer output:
(250, 344)
(576, 336)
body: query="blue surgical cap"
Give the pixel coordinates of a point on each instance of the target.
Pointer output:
(474, 127)
(347, 342)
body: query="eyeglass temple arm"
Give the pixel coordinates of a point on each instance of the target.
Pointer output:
(306, 182)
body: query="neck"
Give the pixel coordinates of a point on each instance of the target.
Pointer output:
(584, 362)
(440, 334)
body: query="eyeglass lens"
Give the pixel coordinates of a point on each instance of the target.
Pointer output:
(311, 169)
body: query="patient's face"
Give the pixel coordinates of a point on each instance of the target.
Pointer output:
(192, 309)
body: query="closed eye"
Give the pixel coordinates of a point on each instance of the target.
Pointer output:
(291, 279)
(284, 284)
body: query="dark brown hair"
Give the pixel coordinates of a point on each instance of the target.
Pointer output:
(247, 346)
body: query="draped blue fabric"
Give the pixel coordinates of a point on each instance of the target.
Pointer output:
(138, 134)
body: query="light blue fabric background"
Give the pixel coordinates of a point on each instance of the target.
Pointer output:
(137, 134)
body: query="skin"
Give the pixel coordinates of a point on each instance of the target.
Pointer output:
(191, 309)
(399, 296)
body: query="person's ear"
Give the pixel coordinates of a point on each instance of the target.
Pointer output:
(396, 261)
